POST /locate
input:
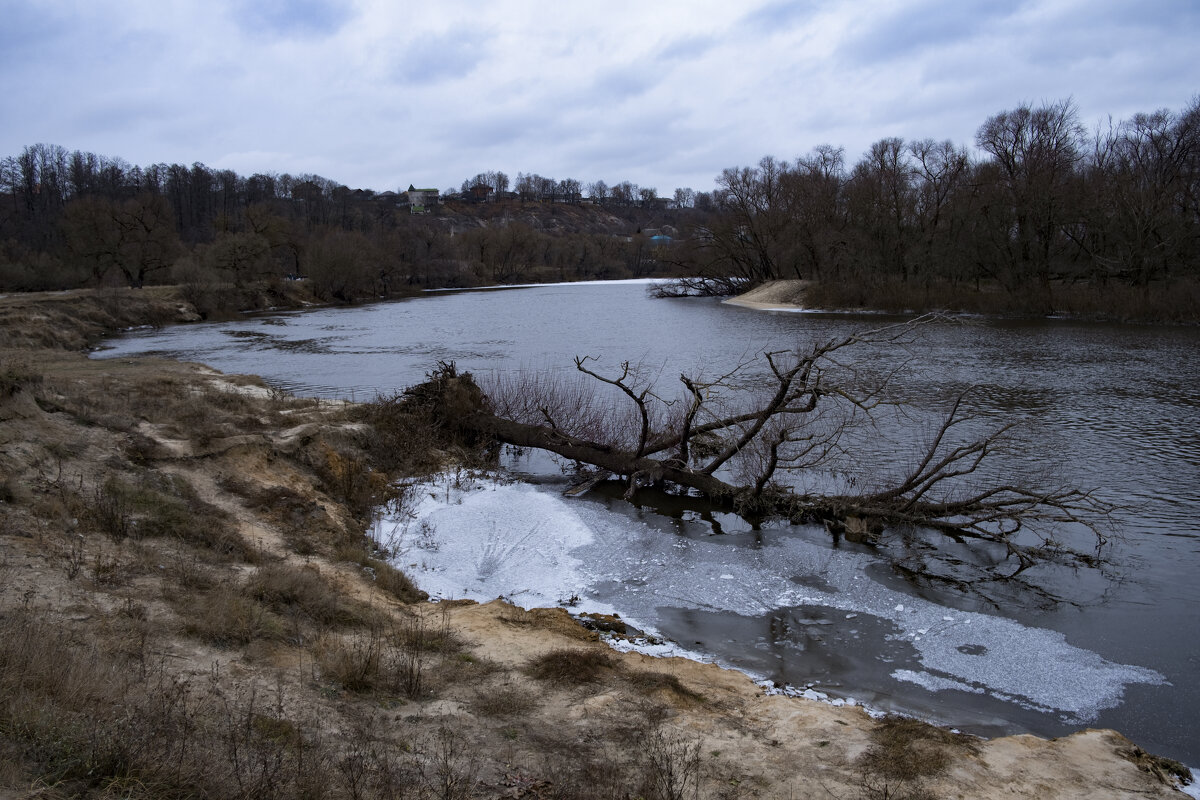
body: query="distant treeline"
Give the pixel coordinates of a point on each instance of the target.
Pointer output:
(1042, 204)
(70, 219)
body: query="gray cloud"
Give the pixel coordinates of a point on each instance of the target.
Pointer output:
(780, 14)
(291, 17)
(441, 56)
(903, 31)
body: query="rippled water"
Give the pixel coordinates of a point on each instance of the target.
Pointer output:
(1109, 407)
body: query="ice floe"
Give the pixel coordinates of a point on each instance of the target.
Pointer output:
(481, 539)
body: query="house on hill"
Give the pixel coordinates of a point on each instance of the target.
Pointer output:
(421, 201)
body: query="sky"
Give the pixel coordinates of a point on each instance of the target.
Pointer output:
(380, 94)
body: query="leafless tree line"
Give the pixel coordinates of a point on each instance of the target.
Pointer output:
(1040, 201)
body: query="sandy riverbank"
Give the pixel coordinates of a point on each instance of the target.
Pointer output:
(773, 295)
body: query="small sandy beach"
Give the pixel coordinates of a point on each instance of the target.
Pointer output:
(774, 295)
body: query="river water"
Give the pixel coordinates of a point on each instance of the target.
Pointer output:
(1107, 407)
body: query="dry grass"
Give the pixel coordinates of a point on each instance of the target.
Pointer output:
(287, 589)
(395, 582)
(571, 666)
(507, 699)
(226, 617)
(904, 752)
(653, 683)
(396, 659)
(384, 576)
(1167, 770)
(152, 504)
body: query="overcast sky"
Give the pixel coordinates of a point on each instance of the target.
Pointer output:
(665, 93)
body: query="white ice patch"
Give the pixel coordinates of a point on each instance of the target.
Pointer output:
(932, 682)
(536, 548)
(479, 540)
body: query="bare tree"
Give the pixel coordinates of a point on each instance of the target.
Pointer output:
(941, 173)
(882, 206)
(684, 197)
(733, 438)
(1143, 170)
(135, 237)
(570, 190)
(598, 191)
(1034, 154)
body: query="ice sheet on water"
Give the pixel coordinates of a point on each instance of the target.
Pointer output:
(480, 539)
(536, 548)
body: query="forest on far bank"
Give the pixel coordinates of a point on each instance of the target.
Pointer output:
(1043, 215)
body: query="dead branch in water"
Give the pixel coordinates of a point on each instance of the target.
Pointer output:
(730, 438)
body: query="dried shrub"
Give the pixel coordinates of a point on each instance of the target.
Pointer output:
(394, 660)
(671, 765)
(355, 663)
(227, 616)
(18, 375)
(350, 479)
(905, 751)
(507, 700)
(109, 511)
(285, 588)
(414, 431)
(654, 682)
(571, 666)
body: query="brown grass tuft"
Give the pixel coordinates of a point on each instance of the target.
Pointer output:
(567, 666)
(227, 617)
(285, 589)
(506, 700)
(649, 683)
(905, 751)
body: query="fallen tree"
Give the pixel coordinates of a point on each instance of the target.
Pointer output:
(738, 439)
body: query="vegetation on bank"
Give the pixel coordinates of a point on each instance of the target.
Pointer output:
(1043, 218)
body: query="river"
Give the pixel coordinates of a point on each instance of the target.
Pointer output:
(1108, 407)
